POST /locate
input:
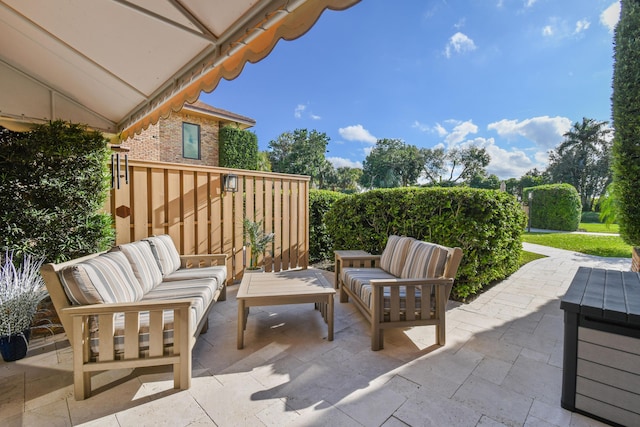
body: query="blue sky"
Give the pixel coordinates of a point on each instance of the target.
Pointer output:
(508, 75)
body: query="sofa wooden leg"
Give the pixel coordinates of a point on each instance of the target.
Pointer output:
(205, 327)
(377, 338)
(343, 294)
(223, 293)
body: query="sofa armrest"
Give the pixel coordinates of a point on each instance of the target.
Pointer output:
(203, 260)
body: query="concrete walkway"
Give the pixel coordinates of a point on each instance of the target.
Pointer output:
(502, 365)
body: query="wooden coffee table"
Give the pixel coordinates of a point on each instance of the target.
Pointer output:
(288, 287)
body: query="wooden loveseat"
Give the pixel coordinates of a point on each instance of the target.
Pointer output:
(408, 285)
(140, 304)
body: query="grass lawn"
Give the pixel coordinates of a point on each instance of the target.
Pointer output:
(593, 227)
(527, 257)
(607, 246)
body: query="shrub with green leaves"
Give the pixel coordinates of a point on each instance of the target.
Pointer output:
(54, 182)
(486, 224)
(554, 207)
(238, 148)
(320, 243)
(626, 122)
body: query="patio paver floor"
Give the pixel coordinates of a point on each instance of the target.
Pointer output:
(502, 365)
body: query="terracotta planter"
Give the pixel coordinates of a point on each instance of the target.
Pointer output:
(635, 259)
(15, 347)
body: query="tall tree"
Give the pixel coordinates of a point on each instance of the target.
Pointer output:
(392, 163)
(583, 160)
(300, 152)
(448, 168)
(626, 121)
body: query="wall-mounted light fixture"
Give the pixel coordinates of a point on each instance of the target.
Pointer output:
(115, 166)
(230, 183)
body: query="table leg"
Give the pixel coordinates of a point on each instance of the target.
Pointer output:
(330, 318)
(241, 323)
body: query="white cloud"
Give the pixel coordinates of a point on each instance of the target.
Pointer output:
(547, 31)
(504, 163)
(609, 18)
(357, 133)
(459, 43)
(460, 132)
(297, 113)
(315, 117)
(547, 132)
(438, 128)
(529, 3)
(582, 25)
(339, 162)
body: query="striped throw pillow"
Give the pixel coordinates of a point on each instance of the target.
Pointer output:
(393, 257)
(424, 260)
(107, 278)
(143, 263)
(165, 253)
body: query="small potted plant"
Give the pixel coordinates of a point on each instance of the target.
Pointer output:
(257, 240)
(21, 290)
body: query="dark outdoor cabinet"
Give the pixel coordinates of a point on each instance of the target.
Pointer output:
(601, 372)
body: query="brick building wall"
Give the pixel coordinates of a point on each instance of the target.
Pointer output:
(162, 142)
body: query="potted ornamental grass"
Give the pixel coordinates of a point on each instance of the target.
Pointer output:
(257, 240)
(21, 290)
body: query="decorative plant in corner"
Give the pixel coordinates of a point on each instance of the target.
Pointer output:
(257, 240)
(21, 290)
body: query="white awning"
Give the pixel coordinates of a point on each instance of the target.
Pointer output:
(121, 65)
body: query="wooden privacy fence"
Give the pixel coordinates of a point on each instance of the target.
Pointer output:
(188, 203)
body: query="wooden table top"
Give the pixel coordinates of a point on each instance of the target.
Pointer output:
(284, 283)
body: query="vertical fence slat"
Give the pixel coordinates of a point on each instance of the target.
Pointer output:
(268, 221)
(238, 209)
(277, 224)
(140, 203)
(303, 224)
(227, 230)
(286, 203)
(202, 214)
(157, 189)
(174, 206)
(215, 192)
(293, 226)
(188, 232)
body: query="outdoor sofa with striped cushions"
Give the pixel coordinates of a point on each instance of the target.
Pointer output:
(149, 317)
(422, 260)
(413, 283)
(131, 272)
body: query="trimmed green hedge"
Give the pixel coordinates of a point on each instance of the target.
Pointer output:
(486, 224)
(626, 122)
(554, 207)
(54, 182)
(320, 245)
(238, 148)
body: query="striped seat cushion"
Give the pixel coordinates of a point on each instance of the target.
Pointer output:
(165, 253)
(201, 291)
(424, 260)
(107, 278)
(216, 272)
(393, 257)
(143, 263)
(359, 281)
